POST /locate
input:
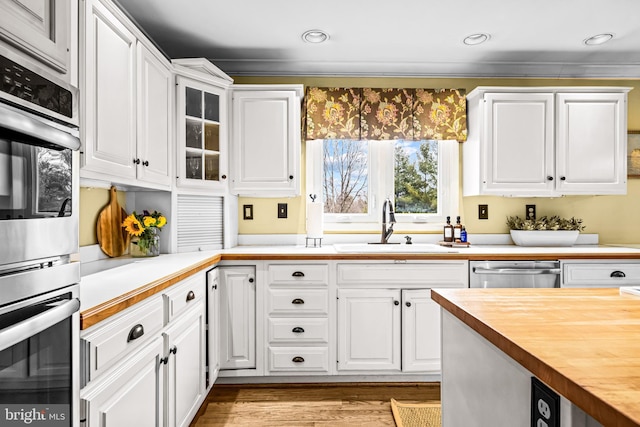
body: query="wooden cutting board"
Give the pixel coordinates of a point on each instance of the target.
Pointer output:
(112, 237)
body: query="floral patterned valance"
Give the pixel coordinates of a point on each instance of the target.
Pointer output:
(386, 114)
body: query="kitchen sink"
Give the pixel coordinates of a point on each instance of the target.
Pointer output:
(424, 248)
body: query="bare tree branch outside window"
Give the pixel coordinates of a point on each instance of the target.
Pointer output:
(345, 179)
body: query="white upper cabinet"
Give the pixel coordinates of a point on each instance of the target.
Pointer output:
(265, 154)
(201, 120)
(128, 96)
(45, 30)
(545, 141)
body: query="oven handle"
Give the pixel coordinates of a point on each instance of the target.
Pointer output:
(22, 123)
(27, 328)
(482, 270)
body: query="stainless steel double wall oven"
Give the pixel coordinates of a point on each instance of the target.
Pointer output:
(39, 301)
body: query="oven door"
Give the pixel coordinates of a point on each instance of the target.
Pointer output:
(38, 195)
(38, 363)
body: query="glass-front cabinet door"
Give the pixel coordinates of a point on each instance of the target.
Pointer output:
(202, 156)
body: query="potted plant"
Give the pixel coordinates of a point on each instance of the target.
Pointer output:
(544, 231)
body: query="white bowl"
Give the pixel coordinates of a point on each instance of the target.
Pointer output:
(544, 237)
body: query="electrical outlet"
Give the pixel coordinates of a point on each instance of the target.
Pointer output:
(531, 212)
(483, 211)
(545, 405)
(282, 210)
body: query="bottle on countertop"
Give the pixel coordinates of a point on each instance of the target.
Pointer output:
(456, 230)
(448, 231)
(463, 235)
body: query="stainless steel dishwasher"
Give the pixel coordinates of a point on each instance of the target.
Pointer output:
(514, 274)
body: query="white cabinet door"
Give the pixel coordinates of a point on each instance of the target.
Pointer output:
(519, 137)
(213, 322)
(130, 395)
(155, 120)
(369, 329)
(109, 119)
(420, 332)
(40, 28)
(186, 366)
(266, 143)
(591, 143)
(237, 318)
(201, 134)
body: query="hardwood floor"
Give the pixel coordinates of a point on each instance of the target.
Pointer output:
(306, 405)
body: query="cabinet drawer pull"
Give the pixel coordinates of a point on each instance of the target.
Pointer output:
(297, 301)
(191, 296)
(298, 359)
(297, 330)
(135, 332)
(618, 273)
(298, 274)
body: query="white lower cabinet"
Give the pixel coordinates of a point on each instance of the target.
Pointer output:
(130, 395)
(213, 326)
(237, 317)
(146, 365)
(368, 329)
(420, 332)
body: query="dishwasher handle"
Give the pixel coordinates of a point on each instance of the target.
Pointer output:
(522, 271)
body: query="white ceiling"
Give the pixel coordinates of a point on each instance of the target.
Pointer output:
(534, 38)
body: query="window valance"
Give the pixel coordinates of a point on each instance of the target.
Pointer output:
(385, 114)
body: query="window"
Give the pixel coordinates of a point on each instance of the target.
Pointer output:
(353, 178)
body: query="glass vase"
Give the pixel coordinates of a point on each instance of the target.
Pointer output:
(145, 245)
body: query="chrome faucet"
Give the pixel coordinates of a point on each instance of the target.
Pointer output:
(387, 232)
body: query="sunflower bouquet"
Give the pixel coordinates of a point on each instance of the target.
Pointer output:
(145, 228)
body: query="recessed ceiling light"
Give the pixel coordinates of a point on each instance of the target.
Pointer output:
(478, 38)
(315, 36)
(598, 39)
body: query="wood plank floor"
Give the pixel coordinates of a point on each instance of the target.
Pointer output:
(307, 405)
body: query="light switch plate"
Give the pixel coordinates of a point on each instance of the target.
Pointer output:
(483, 211)
(282, 210)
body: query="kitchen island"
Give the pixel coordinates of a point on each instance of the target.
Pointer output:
(582, 343)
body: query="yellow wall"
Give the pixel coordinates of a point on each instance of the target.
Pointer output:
(612, 217)
(92, 200)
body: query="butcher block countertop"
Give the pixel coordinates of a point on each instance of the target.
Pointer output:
(584, 343)
(125, 281)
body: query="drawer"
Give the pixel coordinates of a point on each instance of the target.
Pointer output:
(291, 274)
(184, 294)
(442, 274)
(301, 330)
(596, 275)
(110, 341)
(299, 359)
(298, 302)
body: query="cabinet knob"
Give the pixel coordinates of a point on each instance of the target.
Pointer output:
(408, 304)
(250, 279)
(396, 303)
(145, 163)
(135, 332)
(191, 296)
(563, 178)
(549, 178)
(297, 301)
(298, 359)
(173, 350)
(136, 161)
(297, 330)
(618, 273)
(224, 177)
(164, 360)
(290, 176)
(297, 274)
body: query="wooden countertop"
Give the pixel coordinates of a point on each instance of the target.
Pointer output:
(584, 343)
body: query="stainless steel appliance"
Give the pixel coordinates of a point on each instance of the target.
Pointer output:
(514, 274)
(39, 186)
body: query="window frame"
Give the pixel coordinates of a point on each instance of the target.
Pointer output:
(381, 186)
